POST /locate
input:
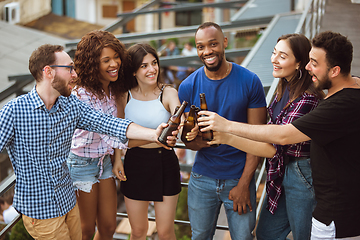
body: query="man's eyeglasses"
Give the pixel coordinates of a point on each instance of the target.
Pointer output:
(71, 67)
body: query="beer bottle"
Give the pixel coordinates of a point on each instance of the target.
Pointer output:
(176, 109)
(208, 135)
(189, 123)
(173, 122)
(197, 110)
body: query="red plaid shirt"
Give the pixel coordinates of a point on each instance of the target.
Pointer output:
(275, 166)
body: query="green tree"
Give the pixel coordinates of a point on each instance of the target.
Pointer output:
(18, 232)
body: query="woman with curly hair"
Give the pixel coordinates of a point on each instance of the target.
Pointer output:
(99, 62)
(153, 173)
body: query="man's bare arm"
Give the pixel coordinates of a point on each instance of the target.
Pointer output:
(240, 194)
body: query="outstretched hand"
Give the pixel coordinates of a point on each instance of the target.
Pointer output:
(171, 140)
(219, 138)
(212, 121)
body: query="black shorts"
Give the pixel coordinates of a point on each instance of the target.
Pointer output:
(151, 174)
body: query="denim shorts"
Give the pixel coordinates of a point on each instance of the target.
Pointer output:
(85, 171)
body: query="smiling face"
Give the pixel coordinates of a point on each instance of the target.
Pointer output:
(110, 63)
(148, 71)
(284, 61)
(63, 79)
(210, 45)
(318, 68)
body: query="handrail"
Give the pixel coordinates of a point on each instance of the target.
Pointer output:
(10, 225)
(6, 184)
(308, 25)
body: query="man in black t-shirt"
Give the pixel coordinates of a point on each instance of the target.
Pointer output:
(333, 127)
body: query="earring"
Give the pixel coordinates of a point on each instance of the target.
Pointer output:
(300, 73)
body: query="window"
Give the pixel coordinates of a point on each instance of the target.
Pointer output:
(189, 18)
(109, 11)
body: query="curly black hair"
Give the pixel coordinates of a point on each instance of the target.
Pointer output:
(87, 62)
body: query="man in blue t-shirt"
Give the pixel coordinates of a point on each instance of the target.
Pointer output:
(223, 174)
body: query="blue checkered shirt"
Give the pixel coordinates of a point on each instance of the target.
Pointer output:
(38, 142)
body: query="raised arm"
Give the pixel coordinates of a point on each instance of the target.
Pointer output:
(278, 134)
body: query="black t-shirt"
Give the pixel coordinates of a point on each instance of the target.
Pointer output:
(334, 128)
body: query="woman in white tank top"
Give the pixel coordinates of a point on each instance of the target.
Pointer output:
(152, 171)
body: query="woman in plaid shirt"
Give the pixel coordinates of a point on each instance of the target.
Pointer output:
(290, 195)
(99, 61)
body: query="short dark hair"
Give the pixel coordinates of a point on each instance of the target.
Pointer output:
(339, 50)
(208, 24)
(41, 57)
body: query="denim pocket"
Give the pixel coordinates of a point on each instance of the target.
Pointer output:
(196, 175)
(303, 169)
(76, 161)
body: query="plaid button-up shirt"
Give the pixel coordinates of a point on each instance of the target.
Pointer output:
(38, 142)
(91, 144)
(275, 166)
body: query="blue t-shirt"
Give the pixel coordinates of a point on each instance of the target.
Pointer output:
(230, 97)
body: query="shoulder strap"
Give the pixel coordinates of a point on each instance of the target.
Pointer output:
(128, 97)
(161, 93)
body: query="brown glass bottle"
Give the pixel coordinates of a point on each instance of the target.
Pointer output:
(197, 110)
(208, 135)
(176, 109)
(173, 122)
(189, 123)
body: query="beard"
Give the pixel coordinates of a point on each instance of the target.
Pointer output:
(217, 67)
(60, 85)
(214, 68)
(325, 83)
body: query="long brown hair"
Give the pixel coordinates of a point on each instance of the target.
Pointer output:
(87, 62)
(137, 53)
(301, 82)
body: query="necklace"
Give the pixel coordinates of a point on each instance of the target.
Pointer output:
(227, 71)
(356, 83)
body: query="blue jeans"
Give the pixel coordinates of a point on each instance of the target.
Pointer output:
(295, 206)
(205, 196)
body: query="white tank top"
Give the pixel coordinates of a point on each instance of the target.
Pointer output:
(148, 114)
